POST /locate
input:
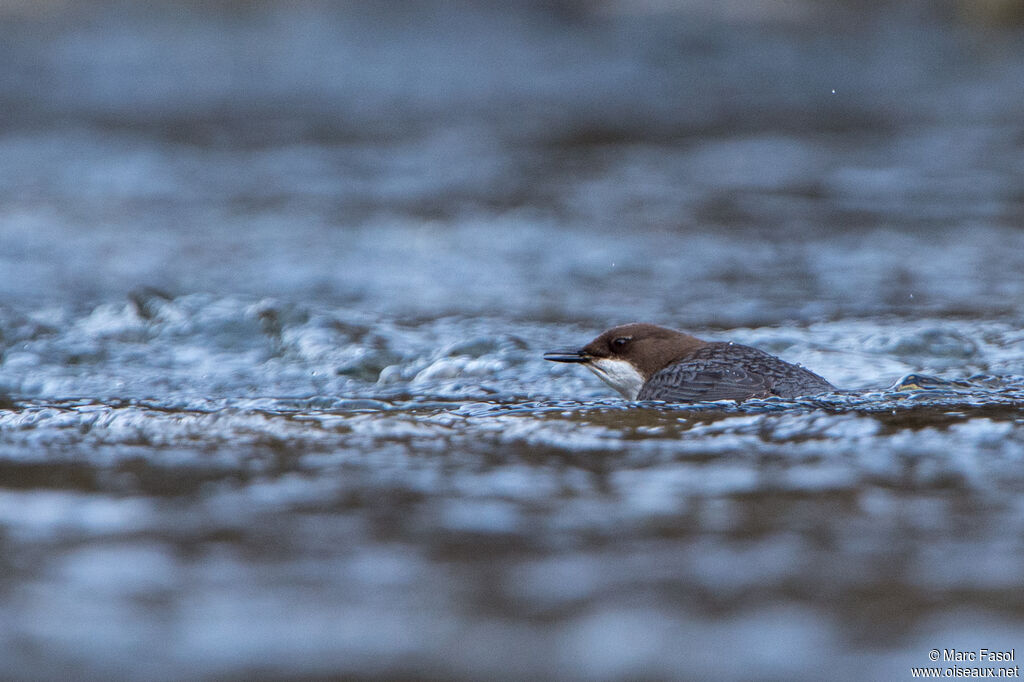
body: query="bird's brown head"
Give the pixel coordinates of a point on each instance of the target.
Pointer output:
(628, 355)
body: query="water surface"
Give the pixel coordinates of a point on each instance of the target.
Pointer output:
(276, 283)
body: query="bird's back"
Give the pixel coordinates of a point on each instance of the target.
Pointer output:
(730, 371)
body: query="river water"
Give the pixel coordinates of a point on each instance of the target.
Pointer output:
(275, 283)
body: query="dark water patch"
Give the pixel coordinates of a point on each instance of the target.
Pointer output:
(277, 281)
(65, 475)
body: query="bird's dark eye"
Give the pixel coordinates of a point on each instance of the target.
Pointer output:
(621, 342)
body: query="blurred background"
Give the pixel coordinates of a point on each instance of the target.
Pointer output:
(436, 157)
(275, 278)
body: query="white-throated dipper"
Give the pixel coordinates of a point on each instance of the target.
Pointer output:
(647, 362)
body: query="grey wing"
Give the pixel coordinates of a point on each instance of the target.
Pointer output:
(701, 378)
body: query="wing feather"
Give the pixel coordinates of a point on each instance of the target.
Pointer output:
(693, 381)
(724, 371)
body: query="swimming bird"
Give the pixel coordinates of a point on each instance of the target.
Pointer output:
(647, 362)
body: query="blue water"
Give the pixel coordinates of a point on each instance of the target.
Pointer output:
(276, 280)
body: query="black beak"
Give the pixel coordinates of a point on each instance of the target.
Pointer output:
(567, 355)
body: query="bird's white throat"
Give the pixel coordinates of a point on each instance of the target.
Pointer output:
(619, 374)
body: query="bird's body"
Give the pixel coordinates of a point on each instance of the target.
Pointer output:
(646, 362)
